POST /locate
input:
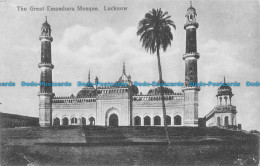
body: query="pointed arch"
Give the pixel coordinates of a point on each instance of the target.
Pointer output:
(168, 120)
(65, 121)
(226, 121)
(157, 120)
(177, 120)
(137, 121)
(218, 121)
(56, 121)
(147, 121)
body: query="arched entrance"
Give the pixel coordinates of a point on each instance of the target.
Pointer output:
(65, 121)
(113, 120)
(177, 120)
(147, 121)
(157, 120)
(112, 117)
(92, 121)
(56, 122)
(83, 121)
(137, 121)
(74, 120)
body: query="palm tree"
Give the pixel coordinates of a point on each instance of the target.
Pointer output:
(155, 33)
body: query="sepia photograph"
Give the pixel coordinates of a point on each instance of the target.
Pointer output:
(151, 82)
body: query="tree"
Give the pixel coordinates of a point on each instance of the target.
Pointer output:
(155, 33)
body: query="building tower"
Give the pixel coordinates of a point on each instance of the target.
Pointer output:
(224, 114)
(45, 94)
(224, 94)
(191, 75)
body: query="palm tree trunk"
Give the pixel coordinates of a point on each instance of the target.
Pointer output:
(162, 95)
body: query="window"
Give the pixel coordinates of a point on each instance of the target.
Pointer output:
(218, 121)
(226, 121)
(191, 17)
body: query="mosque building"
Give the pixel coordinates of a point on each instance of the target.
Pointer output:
(124, 105)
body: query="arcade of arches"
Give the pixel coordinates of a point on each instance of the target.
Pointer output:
(113, 120)
(157, 121)
(74, 121)
(224, 121)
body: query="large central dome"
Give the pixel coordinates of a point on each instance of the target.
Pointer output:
(87, 92)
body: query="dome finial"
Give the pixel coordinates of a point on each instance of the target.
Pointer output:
(124, 67)
(190, 3)
(45, 18)
(89, 76)
(96, 79)
(224, 79)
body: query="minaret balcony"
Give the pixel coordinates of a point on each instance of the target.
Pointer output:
(46, 65)
(191, 55)
(47, 38)
(196, 88)
(191, 23)
(46, 94)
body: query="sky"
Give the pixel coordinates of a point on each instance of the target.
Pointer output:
(100, 41)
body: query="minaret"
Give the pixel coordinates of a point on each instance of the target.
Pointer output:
(45, 95)
(191, 75)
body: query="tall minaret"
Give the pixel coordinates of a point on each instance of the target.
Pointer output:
(191, 75)
(45, 95)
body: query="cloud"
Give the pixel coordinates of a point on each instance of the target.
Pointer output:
(83, 46)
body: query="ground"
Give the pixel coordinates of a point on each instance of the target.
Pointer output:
(96, 145)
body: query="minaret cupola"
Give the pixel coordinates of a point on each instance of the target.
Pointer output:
(191, 16)
(46, 30)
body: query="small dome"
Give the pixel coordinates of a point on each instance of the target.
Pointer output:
(225, 90)
(191, 10)
(134, 89)
(157, 91)
(87, 92)
(46, 25)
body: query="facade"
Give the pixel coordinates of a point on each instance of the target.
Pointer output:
(121, 106)
(118, 106)
(224, 114)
